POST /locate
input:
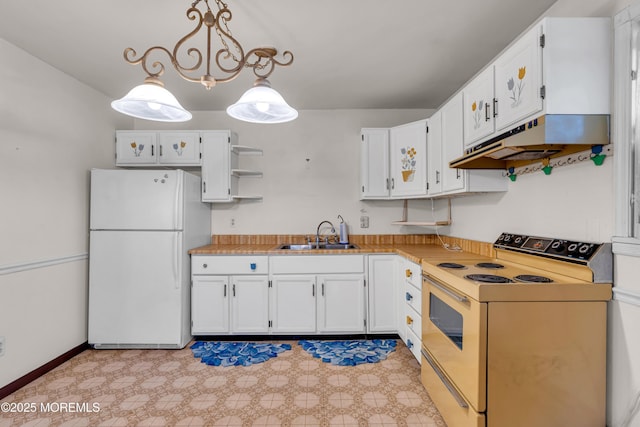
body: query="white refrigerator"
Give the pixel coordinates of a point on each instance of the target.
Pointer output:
(143, 222)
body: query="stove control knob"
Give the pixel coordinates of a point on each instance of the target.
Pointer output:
(518, 240)
(572, 247)
(557, 246)
(584, 248)
(507, 237)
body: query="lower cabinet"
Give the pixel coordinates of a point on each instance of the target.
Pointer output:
(341, 303)
(293, 303)
(383, 293)
(210, 305)
(249, 304)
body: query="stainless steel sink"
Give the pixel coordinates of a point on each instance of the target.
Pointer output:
(313, 246)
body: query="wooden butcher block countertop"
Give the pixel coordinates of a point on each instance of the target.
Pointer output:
(415, 248)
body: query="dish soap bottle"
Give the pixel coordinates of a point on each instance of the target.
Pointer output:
(344, 235)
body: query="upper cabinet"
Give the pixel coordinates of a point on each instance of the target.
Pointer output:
(153, 148)
(374, 163)
(408, 160)
(559, 66)
(445, 143)
(394, 162)
(220, 167)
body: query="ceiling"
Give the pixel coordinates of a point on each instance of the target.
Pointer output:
(348, 54)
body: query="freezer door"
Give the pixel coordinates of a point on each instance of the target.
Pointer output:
(137, 199)
(137, 290)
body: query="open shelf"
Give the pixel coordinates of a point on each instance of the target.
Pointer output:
(246, 197)
(245, 172)
(405, 221)
(243, 149)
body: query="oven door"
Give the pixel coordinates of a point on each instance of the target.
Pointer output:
(454, 333)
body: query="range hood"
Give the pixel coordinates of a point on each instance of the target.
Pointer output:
(552, 135)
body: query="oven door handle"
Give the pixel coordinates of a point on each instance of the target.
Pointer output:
(445, 381)
(443, 288)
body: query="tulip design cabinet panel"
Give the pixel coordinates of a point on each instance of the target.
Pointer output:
(156, 148)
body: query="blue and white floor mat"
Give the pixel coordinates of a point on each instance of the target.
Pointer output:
(351, 352)
(223, 353)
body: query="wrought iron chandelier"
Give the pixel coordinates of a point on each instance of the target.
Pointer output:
(260, 104)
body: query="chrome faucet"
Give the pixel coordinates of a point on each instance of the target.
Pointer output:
(333, 230)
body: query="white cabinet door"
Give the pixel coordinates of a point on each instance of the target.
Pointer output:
(478, 107)
(179, 148)
(434, 153)
(210, 305)
(136, 148)
(249, 304)
(408, 157)
(518, 79)
(383, 293)
(216, 166)
(293, 303)
(374, 164)
(341, 303)
(452, 144)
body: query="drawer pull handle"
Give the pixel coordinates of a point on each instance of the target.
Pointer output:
(451, 293)
(409, 320)
(408, 273)
(459, 400)
(408, 296)
(225, 290)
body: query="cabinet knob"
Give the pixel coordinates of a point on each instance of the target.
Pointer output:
(408, 272)
(409, 320)
(253, 266)
(409, 344)
(408, 296)
(204, 265)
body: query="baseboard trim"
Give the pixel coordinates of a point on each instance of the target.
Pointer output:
(38, 372)
(294, 337)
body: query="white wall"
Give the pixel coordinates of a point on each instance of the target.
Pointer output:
(53, 129)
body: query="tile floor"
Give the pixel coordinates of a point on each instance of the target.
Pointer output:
(172, 388)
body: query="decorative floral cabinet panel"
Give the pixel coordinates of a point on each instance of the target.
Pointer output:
(179, 149)
(136, 148)
(518, 80)
(408, 160)
(478, 107)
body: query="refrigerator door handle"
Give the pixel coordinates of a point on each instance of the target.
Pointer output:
(176, 260)
(176, 206)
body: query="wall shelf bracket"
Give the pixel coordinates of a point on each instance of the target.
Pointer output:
(405, 217)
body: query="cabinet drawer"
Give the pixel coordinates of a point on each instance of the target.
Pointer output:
(413, 344)
(413, 298)
(316, 264)
(412, 273)
(413, 320)
(228, 264)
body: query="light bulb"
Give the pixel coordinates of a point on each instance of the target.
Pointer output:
(263, 107)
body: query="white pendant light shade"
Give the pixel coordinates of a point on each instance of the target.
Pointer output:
(151, 101)
(261, 104)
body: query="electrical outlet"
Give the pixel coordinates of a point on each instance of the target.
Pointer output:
(233, 222)
(1, 346)
(364, 222)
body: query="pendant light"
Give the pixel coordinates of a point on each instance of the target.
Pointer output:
(262, 104)
(151, 101)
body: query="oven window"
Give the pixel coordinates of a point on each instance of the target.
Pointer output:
(446, 319)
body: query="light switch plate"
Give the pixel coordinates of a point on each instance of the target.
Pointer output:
(2, 342)
(364, 222)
